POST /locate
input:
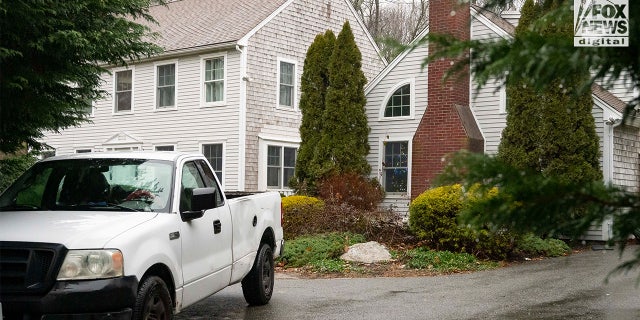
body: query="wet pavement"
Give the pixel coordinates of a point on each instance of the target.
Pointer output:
(570, 287)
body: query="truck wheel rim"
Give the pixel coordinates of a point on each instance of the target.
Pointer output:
(267, 274)
(155, 309)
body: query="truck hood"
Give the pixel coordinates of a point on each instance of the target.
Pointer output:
(73, 229)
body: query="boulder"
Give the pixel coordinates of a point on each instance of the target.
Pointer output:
(369, 252)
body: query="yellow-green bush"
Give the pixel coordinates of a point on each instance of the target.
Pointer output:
(433, 218)
(298, 210)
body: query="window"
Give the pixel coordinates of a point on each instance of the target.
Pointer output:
(83, 151)
(214, 80)
(165, 148)
(88, 107)
(281, 164)
(123, 149)
(286, 82)
(166, 86)
(395, 166)
(124, 90)
(213, 153)
(191, 179)
(399, 104)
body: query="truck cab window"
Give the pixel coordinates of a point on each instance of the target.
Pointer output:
(210, 181)
(191, 179)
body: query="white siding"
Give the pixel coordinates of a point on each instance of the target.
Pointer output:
(485, 103)
(406, 70)
(186, 127)
(287, 36)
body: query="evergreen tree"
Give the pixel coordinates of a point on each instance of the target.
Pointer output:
(344, 144)
(314, 83)
(52, 54)
(551, 131)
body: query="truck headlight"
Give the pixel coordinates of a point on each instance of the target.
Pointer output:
(91, 264)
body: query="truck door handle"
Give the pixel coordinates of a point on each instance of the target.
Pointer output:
(217, 227)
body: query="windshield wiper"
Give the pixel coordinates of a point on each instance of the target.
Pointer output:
(19, 207)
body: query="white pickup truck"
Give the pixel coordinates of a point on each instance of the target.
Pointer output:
(130, 236)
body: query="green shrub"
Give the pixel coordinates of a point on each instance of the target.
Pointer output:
(12, 167)
(309, 250)
(433, 218)
(300, 214)
(536, 246)
(444, 261)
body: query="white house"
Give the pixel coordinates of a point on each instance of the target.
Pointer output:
(226, 85)
(416, 120)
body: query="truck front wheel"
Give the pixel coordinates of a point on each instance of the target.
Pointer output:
(257, 286)
(153, 301)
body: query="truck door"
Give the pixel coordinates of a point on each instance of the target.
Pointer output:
(206, 242)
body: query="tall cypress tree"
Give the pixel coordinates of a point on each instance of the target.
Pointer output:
(520, 137)
(552, 131)
(314, 83)
(344, 144)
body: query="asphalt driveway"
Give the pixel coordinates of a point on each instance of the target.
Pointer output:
(570, 287)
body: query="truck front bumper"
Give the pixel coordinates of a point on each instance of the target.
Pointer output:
(88, 299)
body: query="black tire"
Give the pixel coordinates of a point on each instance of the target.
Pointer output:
(153, 301)
(257, 286)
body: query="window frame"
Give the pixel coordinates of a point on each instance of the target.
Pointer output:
(203, 82)
(156, 87)
(222, 176)
(115, 90)
(264, 142)
(282, 184)
(294, 91)
(389, 95)
(382, 167)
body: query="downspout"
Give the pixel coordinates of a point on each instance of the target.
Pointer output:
(607, 166)
(607, 160)
(242, 117)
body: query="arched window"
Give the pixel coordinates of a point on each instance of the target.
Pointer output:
(399, 104)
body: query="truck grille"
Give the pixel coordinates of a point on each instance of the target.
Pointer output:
(28, 267)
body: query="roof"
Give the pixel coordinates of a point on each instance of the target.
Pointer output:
(195, 23)
(608, 98)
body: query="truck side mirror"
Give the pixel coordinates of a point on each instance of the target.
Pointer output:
(202, 199)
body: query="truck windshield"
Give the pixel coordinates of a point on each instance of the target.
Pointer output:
(92, 184)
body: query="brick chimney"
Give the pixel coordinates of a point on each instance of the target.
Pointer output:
(447, 125)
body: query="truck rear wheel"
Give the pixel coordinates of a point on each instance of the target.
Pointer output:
(153, 301)
(257, 286)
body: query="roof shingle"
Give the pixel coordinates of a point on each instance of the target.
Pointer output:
(194, 23)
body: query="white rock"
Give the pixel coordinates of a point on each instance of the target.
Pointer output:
(368, 252)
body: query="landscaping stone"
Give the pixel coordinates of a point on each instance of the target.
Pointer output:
(369, 252)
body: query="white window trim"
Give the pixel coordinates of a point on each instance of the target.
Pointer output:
(203, 91)
(133, 90)
(294, 107)
(131, 147)
(155, 85)
(381, 144)
(224, 158)
(412, 108)
(263, 154)
(503, 100)
(175, 146)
